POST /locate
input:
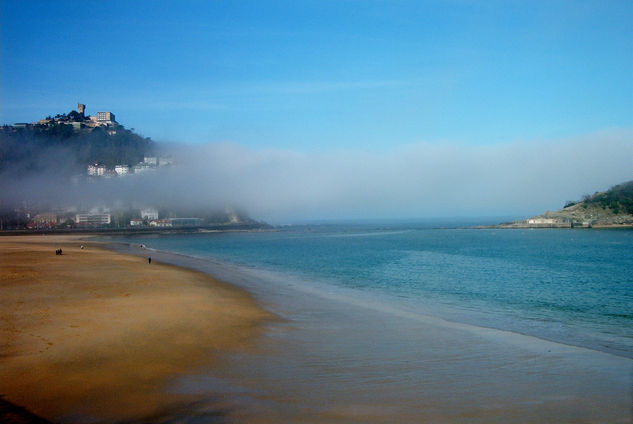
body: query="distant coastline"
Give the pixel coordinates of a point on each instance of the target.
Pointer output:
(141, 230)
(608, 209)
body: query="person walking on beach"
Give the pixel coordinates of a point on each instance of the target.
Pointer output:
(149, 260)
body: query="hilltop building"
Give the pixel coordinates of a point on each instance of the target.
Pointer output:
(79, 120)
(107, 117)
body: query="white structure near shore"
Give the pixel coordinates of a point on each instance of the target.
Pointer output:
(542, 221)
(150, 214)
(92, 219)
(160, 223)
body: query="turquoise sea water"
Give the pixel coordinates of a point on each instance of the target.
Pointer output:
(569, 286)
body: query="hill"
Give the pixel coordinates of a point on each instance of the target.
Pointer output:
(49, 181)
(618, 199)
(610, 208)
(68, 145)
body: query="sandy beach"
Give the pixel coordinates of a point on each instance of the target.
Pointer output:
(95, 335)
(99, 335)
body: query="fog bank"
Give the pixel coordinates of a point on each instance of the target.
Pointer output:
(414, 181)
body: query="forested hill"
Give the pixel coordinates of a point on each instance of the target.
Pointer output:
(618, 199)
(613, 207)
(34, 148)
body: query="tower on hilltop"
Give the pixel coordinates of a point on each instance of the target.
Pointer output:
(81, 108)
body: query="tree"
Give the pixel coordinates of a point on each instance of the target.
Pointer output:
(75, 116)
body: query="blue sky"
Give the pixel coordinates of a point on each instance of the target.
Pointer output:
(322, 75)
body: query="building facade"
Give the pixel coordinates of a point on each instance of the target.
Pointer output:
(93, 219)
(149, 214)
(122, 170)
(105, 117)
(160, 223)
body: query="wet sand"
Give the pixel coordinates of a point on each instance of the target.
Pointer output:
(95, 335)
(340, 357)
(106, 337)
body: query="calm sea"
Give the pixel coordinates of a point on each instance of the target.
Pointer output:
(569, 286)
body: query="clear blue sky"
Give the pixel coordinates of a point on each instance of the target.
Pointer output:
(312, 75)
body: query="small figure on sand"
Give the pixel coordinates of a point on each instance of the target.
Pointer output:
(149, 260)
(82, 247)
(58, 252)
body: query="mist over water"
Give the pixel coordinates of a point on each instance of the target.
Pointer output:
(406, 181)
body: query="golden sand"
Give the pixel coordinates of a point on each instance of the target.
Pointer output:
(100, 333)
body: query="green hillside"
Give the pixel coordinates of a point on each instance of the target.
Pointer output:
(619, 199)
(29, 149)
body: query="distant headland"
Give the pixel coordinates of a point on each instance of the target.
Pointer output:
(76, 155)
(608, 209)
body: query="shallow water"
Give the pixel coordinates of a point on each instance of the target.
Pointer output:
(393, 325)
(570, 286)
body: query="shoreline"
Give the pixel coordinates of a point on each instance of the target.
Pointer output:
(229, 272)
(81, 328)
(551, 227)
(97, 231)
(523, 370)
(332, 358)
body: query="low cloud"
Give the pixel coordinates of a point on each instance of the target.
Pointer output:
(417, 180)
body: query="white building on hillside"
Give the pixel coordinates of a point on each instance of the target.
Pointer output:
(141, 168)
(165, 161)
(106, 117)
(150, 214)
(122, 170)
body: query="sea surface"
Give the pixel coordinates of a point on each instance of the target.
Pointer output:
(569, 286)
(383, 323)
